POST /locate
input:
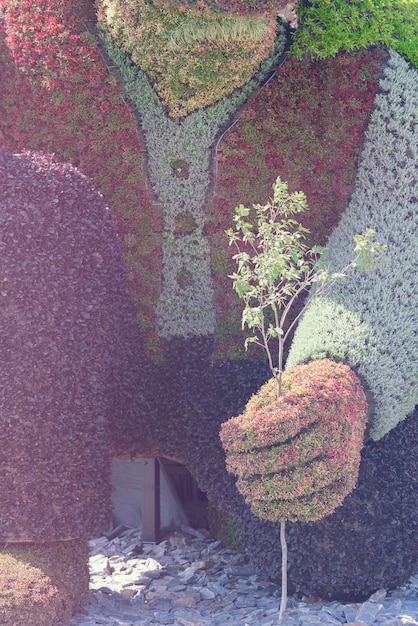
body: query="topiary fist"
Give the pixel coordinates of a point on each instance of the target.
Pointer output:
(297, 457)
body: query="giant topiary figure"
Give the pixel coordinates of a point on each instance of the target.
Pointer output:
(64, 322)
(342, 549)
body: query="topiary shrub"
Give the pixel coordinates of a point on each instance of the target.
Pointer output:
(370, 321)
(64, 326)
(369, 542)
(43, 585)
(297, 456)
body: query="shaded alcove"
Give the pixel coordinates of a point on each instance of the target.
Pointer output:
(156, 495)
(193, 500)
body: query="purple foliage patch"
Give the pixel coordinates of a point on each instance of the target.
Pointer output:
(64, 331)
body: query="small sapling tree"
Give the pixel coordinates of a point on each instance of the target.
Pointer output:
(274, 267)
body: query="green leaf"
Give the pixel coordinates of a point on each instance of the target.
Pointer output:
(278, 264)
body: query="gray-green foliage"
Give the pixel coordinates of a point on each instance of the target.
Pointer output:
(370, 320)
(183, 309)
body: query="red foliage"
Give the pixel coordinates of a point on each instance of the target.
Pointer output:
(297, 457)
(57, 96)
(307, 126)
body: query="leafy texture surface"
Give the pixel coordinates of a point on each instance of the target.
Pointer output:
(327, 26)
(307, 130)
(65, 312)
(347, 554)
(179, 158)
(43, 585)
(194, 53)
(297, 457)
(57, 96)
(370, 319)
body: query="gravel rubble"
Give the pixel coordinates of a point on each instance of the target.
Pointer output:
(190, 579)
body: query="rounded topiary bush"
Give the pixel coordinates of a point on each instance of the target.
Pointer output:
(297, 456)
(66, 331)
(59, 271)
(42, 585)
(65, 313)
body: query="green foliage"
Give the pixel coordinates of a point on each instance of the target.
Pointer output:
(225, 28)
(43, 585)
(275, 266)
(327, 26)
(297, 456)
(370, 321)
(194, 55)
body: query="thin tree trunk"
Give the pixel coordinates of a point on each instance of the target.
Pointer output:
(283, 545)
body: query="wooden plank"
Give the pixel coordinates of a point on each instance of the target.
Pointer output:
(151, 524)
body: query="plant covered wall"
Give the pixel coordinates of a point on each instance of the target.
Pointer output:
(307, 125)
(74, 108)
(370, 321)
(58, 96)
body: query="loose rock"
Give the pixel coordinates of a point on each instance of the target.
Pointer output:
(191, 580)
